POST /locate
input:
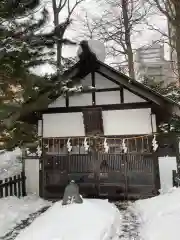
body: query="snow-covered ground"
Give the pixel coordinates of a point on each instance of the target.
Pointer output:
(94, 219)
(160, 216)
(10, 163)
(150, 219)
(13, 210)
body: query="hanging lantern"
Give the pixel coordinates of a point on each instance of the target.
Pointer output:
(124, 146)
(69, 146)
(154, 143)
(106, 147)
(86, 146)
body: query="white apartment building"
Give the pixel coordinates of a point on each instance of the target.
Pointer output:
(150, 62)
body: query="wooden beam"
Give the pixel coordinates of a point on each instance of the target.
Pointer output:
(67, 100)
(93, 92)
(101, 90)
(123, 106)
(130, 85)
(121, 94)
(124, 87)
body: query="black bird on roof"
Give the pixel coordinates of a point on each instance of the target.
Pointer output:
(88, 60)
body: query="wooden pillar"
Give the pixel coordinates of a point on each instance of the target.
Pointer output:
(177, 147)
(156, 171)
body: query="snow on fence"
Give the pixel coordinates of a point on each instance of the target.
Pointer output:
(13, 186)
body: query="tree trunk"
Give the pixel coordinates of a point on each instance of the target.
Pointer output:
(59, 46)
(128, 38)
(177, 44)
(178, 51)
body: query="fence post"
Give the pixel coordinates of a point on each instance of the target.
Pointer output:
(23, 171)
(15, 187)
(1, 189)
(23, 158)
(6, 187)
(11, 186)
(23, 184)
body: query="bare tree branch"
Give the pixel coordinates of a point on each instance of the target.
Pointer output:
(171, 10)
(116, 26)
(62, 4)
(61, 28)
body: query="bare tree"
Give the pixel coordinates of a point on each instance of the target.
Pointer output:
(116, 27)
(61, 27)
(89, 28)
(171, 10)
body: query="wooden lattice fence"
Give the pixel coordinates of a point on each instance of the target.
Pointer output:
(13, 186)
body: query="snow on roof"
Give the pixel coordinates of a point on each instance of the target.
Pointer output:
(160, 216)
(94, 219)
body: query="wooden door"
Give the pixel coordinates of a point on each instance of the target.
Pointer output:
(93, 122)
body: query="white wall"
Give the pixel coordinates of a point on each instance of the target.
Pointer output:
(87, 81)
(131, 121)
(39, 128)
(130, 97)
(116, 122)
(63, 125)
(102, 82)
(32, 176)
(101, 98)
(75, 100)
(166, 165)
(59, 102)
(112, 97)
(84, 99)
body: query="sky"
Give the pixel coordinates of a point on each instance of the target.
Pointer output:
(93, 7)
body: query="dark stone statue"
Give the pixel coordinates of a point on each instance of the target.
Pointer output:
(71, 194)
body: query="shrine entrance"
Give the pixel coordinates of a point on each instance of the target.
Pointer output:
(114, 173)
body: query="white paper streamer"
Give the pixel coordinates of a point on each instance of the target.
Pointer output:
(39, 151)
(154, 143)
(106, 147)
(69, 147)
(86, 146)
(124, 146)
(30, 154)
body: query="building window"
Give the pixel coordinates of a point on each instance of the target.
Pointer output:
(93, 122)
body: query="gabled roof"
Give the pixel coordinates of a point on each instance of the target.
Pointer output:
(82, 69)
(134, 86)
(140, 89)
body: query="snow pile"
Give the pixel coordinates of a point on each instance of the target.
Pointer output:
(13, 210)
(160, 216)
(10, 164)
(93, 219)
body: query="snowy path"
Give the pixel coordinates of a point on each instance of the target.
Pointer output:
(16, 213)
(100, 219)
(128, 229)
(24, 223)
(130, 223)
